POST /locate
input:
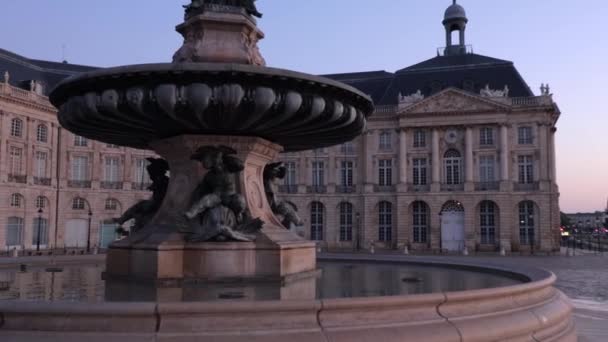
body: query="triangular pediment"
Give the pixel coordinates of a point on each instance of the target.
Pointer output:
(454, 100)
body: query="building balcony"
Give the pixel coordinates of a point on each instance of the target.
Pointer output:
(316, 189)
(21, 179)
(42, 181)
(346, 189)
(384, 188)
(418, 188)
(288, 189)
(487, 186)
(79, 184)
(534, 186)
(140, 186)
(452, 187)
(111, 185)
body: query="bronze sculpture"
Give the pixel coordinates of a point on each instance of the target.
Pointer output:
(218, 211)
(197, 6)
(287, 211)
(143, 211)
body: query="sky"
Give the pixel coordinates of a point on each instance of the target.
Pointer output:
(559, 42)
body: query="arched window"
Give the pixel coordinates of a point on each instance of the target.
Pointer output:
(42, 133)
(14, 232)
(41, 202)
(385, 218)
(316, 221)
(112, 204)
(17, 128)
(40, 229)
(16, 200)
(79, 203)
(452, 161)
(487, 222)
(421, 221)
(526, 223)
(346, 221)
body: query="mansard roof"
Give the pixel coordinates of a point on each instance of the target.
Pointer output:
(470, 72)
(22, 70)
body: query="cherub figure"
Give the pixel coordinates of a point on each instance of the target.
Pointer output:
(222, 211)
(143, 211)
(272, 173)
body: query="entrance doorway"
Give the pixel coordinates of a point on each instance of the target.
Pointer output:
(76, 233)
(452, 227)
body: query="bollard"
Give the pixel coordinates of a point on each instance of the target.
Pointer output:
(503, 252)
(406, 251)
(14, 253)
(95, 250)
(465, 251)
(372, 249)
(319, 248)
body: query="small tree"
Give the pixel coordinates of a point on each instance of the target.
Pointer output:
(564, 220)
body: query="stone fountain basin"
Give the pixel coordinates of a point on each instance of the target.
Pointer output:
(531, 311)
(135, 105)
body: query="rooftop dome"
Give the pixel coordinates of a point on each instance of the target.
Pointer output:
(455, 11)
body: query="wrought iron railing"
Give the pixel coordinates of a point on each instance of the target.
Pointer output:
(316, 189)
(22, 179)
(140, 186)
(452, 187)
(346, 189)
(111, 185)
(534, 186)
(80, 184)
(418, 188)
(288, 188)
(384, 188)
(487, 186)
(42, 181)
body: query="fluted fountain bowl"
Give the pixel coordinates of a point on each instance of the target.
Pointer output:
(136, 105)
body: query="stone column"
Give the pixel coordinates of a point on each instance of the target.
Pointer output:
(435, 186)
(505, 183)
(468, 159)
(402, 157)
(552, 166)
(544, 152)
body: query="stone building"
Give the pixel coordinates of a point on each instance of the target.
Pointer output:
(459, 154)
(52, 181)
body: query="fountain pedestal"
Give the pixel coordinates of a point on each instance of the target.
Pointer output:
(160, 250)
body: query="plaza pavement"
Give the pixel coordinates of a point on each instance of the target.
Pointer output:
(584, 278)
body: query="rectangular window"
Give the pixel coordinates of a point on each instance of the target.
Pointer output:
(385, 141)
(385, 218)
(16, 160)
(526, 223)
(111, 169)
(318, 173)
(140, 173)
(385, 172)
(420, 171)
(420, 220)
(40, 224)
(348, 148)
(419, 138)
(346, 173)
(526, 169)
(290, 174)
(80, 168)
(80, 141)
(14, 232)
(40, 164)
(346, 222)
(486, 169)
(486, 136)
(524, 135)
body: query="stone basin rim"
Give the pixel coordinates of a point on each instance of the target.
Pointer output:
(61, 92)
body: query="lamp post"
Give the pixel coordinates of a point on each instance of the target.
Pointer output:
(89, 232)
(358, 241)
(39, 229)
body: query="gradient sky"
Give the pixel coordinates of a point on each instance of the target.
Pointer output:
(556, 41)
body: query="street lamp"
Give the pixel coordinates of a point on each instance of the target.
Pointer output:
(358, 242)
(39, 229)
(89, 232)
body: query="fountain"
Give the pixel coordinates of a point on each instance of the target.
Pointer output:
(218, 118)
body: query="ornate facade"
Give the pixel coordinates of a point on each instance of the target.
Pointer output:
(459, 155)
(52, 181)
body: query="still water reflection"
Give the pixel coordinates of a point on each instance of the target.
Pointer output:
(338, 280)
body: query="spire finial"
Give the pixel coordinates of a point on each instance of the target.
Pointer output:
(454, 2)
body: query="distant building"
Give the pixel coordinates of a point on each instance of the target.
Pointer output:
(459, 153)
(49, 178)
(589, 220)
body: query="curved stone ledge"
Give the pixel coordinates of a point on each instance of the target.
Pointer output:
(533, 311)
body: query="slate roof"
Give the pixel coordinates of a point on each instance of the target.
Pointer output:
(22, 70)
(470, 72)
